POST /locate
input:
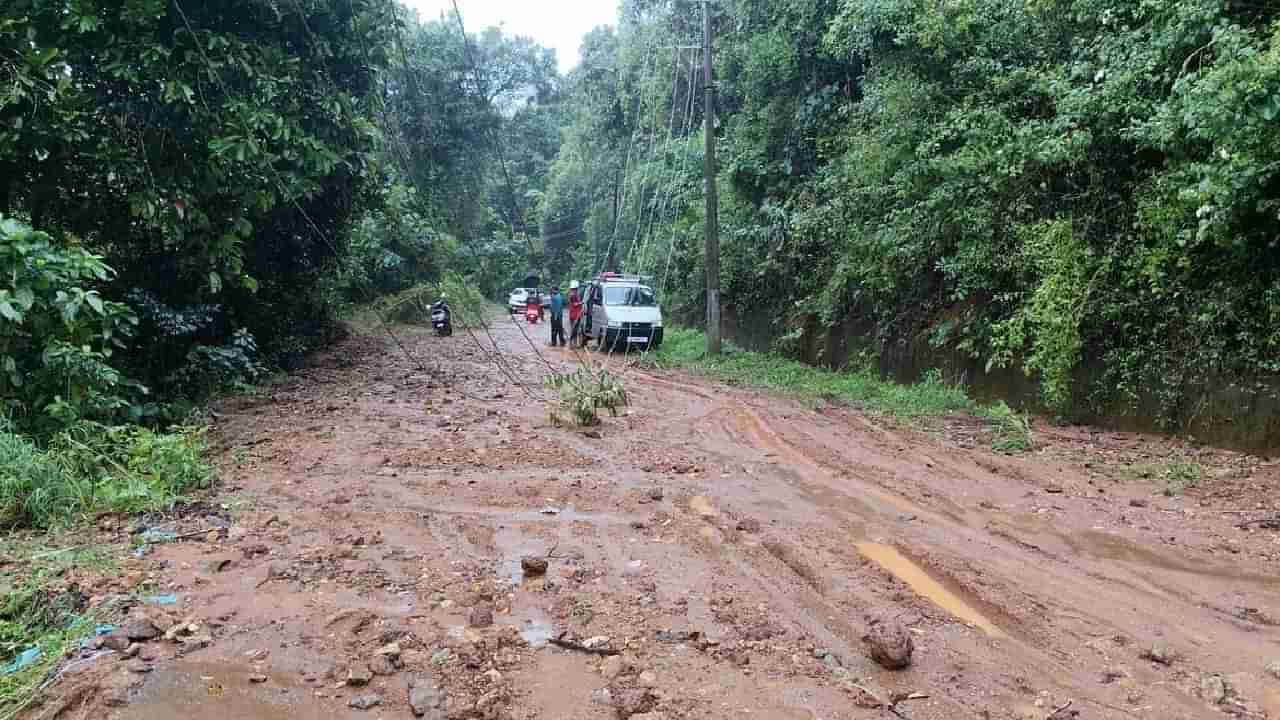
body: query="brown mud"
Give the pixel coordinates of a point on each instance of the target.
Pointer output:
(722, 551)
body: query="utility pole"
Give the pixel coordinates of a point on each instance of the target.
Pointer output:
(713, 220)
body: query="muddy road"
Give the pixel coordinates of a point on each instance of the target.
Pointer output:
(710, 553)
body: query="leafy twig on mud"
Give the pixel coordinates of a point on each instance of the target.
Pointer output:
(1059, 709)
(551, 553)
(571, 645)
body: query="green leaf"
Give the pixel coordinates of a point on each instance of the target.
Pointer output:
(95, 302)
(25, 298)
(215, 282)
(9, 312)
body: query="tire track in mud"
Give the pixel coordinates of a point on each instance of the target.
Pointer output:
(746, 425)
(819, 481)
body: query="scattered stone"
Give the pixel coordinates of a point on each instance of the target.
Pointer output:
(250, 551)
(391, 650)
(1053, 490)
(648, 679)
(257, 655)
(831, 661)
(365, 702)
(257, 678)
(749, 525)
(381, 665)
(613, 667)
(655, 493)
(628, 702)
(359, 675)
(413, 658)
(139, 667)
(1273, 669)
(481, 616)
(1213, 689)
(649, 716)
(889, 644)
(426, 699)
(493, 676)
(1137, 503)
(599, 641)
(141, 630)
(195, 642)
(116, 640)
(442, 656)
(217, 565)
(1112, 674)
(1159, 654)
(133, 650)
(533, 565)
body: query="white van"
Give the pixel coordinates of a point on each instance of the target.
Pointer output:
(622, 311)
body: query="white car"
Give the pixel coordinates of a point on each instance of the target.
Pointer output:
(519, 300)
(623, 311)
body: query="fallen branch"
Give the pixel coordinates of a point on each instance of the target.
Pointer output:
(1059, 709)
(571, 645)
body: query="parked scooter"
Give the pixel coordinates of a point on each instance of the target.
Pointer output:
(441, 318)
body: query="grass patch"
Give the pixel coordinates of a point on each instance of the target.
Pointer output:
(1178, 474)
(1012, 428)
(41, 610)
(92, 469)
(863, 388)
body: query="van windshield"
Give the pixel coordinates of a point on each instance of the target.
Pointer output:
(633, 295)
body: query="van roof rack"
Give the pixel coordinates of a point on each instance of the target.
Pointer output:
(624, 277)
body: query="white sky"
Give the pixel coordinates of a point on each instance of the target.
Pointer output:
(558, 24)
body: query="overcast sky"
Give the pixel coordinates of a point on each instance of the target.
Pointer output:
(558, 24)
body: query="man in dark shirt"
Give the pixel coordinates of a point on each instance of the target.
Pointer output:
(557, 317)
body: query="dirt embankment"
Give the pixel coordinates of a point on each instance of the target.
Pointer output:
(711, 553)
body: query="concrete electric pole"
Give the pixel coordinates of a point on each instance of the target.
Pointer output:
(713, 220)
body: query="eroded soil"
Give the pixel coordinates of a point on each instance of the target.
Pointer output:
(731, 548)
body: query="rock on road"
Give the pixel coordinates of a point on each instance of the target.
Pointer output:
(710, 553)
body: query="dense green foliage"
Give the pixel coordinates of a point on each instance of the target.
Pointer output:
(1086, 189)
(93, 469)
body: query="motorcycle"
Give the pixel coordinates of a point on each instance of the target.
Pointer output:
(533, 312)
(442, 319)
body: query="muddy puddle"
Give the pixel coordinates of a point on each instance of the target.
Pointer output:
(208, 691)
(925, 586)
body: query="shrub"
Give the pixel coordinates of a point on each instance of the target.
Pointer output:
(58, 335)
(91, 468)
(585, 392)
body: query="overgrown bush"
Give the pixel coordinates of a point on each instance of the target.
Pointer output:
(58, 336)
(92, 468)
(413, 306)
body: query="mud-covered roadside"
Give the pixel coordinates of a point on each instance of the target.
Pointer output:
(711, 553)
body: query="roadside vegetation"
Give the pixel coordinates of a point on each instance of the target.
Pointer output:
(193, 197)
(862, 388)
(1081, 190)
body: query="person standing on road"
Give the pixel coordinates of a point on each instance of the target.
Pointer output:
(575, 311)
(557, 317)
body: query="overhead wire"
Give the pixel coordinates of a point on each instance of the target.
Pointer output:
(677, 172)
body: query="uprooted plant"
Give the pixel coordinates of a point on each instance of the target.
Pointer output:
(584, 392)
